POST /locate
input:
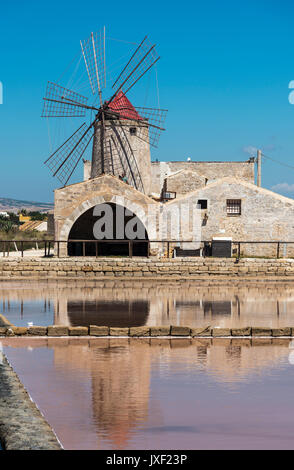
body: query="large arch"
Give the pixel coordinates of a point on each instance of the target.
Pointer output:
(82, 228)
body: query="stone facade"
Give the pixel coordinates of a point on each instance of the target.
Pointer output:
(265, 216)
(183, 182)
(210, 171)
(73, 200)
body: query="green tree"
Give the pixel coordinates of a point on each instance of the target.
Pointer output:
(6, 226)
(36, 215)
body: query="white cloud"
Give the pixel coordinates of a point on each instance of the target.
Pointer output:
(250, 149)
(283, 187)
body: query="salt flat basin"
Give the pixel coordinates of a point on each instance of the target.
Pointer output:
(161, 394)
(224, 303)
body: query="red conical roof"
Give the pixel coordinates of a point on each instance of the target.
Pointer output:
(122, 105)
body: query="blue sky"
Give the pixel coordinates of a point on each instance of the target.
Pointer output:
(224, 73)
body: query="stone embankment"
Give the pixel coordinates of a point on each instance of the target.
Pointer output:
(144, 268)
(22, 426)
(146, 331)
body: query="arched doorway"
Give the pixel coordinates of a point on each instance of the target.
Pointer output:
(111, 226)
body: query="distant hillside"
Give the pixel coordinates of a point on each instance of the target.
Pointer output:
(14, 205)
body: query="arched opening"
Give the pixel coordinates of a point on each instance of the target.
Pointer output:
(111, 226)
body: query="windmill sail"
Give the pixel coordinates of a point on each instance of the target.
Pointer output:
(64, 160)
(114, 125)
(93, 50)
(62, 102)
(144, 57)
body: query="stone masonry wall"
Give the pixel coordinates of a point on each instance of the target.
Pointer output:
(265, 216)
(184, 181)
(105, 268)
(210, 170)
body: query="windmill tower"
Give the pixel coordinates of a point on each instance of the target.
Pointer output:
(121, 133)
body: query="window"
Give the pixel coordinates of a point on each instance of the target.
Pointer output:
(168, 195)
(202, 203)
(133, 130)
(233, 206)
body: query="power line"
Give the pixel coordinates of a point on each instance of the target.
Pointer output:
(277, 161)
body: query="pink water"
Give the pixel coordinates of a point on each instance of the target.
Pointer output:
(161, 394)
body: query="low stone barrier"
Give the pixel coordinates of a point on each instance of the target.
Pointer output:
(143, 268)
(22, 426)
(147, 331)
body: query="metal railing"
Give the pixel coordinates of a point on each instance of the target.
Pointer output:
(19, 246)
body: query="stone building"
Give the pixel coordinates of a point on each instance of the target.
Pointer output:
(178, 201)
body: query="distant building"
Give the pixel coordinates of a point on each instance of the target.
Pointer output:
(39, 225)
(24, 218)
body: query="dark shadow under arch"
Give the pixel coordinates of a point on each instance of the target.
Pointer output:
(82, 229)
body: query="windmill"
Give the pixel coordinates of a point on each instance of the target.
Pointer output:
(112, 120)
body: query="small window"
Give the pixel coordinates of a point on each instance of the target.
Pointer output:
(202, 203)
(233, 206)
(133, 130)
(168, 195)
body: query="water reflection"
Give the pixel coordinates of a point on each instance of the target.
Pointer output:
(218, 303)
(160, 394)
(119, 313)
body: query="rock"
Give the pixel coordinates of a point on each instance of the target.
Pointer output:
(9, 332)
(140, 331)
(119, 331)
(57, 330)
(19, 330)
(286, 331)
(180, 331)
(246, 331)
(205, 331)
(87, 268)
(3, 330)
(37, 330)
(98, 330)
(221, 332)
(78, 331)
(261, 331)
(160, 331)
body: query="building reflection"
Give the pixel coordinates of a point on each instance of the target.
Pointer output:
(109, 384)
(122, 303)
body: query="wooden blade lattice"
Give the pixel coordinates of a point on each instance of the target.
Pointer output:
(64, 160)
(61, 102)
(155, 119)
(141, 61)
(93, 50)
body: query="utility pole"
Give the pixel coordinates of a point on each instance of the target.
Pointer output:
(258, 167)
